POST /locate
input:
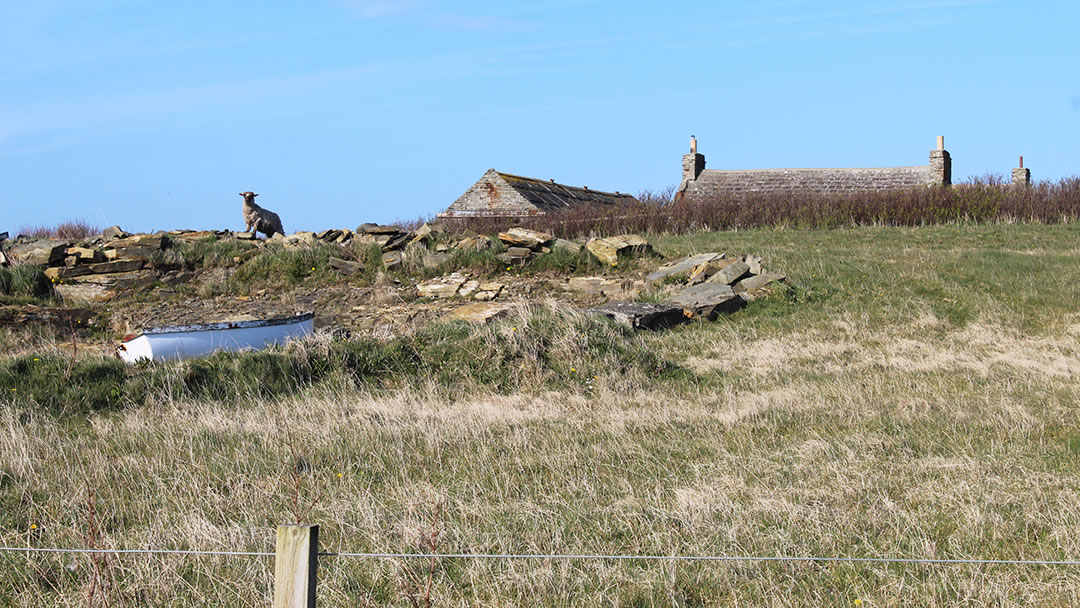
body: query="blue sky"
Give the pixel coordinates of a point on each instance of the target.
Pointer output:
(153, 115)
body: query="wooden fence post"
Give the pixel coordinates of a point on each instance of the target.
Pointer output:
(296, 560)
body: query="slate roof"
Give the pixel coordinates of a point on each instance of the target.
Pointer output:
(549, 196)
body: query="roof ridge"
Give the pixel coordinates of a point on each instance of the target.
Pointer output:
(553, 182)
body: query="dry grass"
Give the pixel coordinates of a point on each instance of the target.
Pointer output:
(978, 200)
(828, 420)
(72, 230)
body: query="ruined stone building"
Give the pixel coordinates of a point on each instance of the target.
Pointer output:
(498, 194)
(699, 182)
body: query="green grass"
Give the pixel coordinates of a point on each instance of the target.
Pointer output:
(911, 392)
(209, 252)
(536, 347)
(24, 281)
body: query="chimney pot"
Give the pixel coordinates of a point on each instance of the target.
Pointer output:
(1021, 162)
(693, 145)
(940, 142)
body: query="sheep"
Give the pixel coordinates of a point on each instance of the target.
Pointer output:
(257, 219)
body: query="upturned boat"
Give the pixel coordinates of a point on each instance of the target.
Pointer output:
(186, 341)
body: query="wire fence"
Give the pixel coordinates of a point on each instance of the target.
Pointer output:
(573, 556)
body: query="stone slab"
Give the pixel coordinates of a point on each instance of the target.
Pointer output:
(706, 300)
(442, 287)
(642, 315)
(41, 252)
(523, 237)
(683, 266)
(565, 245)
(377, 229)
(754, 262)
(515, 254)
(117, 266)
(730, 274)
(396, 242)
(590, 284)
(57, 273)
(113, 232)
(609, 250)
(102, 287)
(474, 243)
(348, 267)
(82, 253)
(393, 260)
(480, 312)
(751, 288)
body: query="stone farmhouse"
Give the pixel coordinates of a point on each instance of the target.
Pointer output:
(498, 194)
(699, 182)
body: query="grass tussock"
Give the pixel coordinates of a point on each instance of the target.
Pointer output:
(24, 283)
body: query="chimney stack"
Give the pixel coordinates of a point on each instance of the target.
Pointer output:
(1021, 176)
(693, 163)
(940, 165)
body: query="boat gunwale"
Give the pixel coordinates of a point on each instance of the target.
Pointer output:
(224, 325)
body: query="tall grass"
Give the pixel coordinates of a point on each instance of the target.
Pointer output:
(24, 280)
(72, 230)
(979, 200)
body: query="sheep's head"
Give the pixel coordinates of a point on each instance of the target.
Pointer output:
(249, 197)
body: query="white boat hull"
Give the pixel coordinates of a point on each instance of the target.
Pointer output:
(198, 340)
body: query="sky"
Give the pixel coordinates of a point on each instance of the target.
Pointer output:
(154, 115)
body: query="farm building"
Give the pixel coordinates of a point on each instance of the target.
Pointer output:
(498, 194)
(699, 182)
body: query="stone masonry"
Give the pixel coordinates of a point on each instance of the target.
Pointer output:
(507, 195)
(699, 182)
(1020, 175)
(492, 195)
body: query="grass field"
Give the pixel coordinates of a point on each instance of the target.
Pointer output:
(912, 393)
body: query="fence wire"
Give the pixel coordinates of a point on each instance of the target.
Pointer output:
(577, 556)
(134, 551)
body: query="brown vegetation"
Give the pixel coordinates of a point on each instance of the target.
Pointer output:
(979, 200)
(71, 230)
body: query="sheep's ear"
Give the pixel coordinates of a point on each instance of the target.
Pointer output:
(254, 195)
(240, 193)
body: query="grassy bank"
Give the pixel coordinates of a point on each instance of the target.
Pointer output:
(541, 346)
(912, 393)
